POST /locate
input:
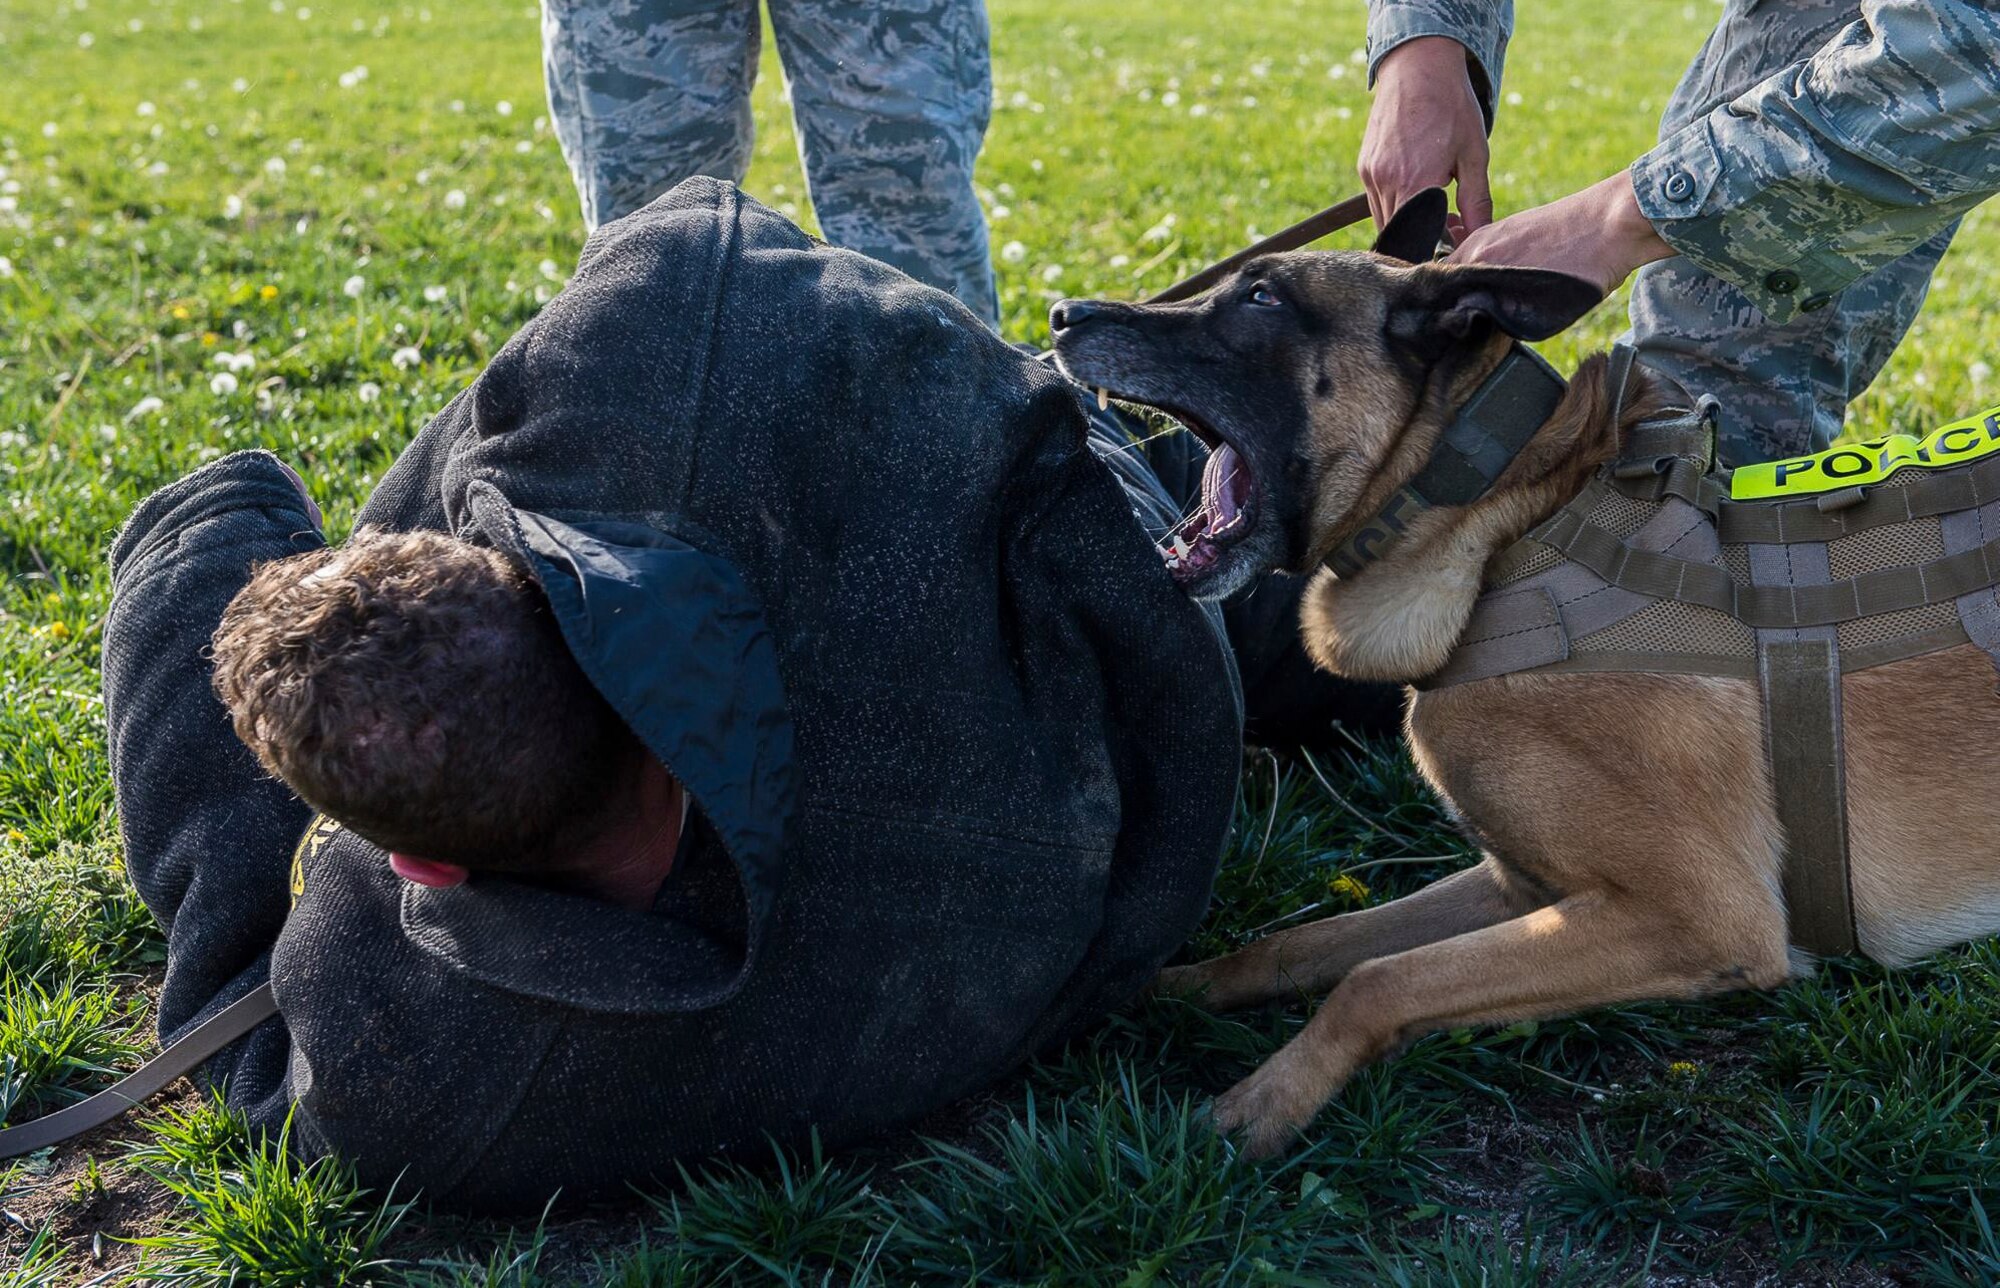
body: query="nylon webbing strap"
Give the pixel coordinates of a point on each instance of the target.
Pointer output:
(1483, 438)
(1801, 685)
(1885, 590)
(183, 1057)
(1303, 233)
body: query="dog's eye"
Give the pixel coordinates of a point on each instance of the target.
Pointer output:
(1264, 297)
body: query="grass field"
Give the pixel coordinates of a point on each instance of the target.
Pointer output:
(227, 224)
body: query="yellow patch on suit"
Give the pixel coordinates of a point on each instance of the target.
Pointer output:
(317, 834)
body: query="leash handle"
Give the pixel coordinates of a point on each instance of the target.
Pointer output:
(184, 1056)
(1340, 215)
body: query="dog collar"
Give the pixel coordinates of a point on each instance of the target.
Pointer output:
(1484, 436)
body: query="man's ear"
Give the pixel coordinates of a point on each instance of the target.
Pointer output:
(1414, 231)
(1464, 304)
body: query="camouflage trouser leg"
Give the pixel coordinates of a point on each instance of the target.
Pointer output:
(1784, 389)
(891, 99)
(646, 93)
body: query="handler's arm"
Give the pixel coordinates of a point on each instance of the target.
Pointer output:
(1435, 68)
(1839, 164)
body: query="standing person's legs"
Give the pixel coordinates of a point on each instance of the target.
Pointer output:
(646, 93)
(892, 100)
(1784, 388)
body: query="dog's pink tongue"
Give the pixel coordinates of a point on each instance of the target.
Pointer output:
(1225, 486)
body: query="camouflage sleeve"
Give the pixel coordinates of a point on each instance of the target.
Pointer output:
(1835, 166)
(1482, 26)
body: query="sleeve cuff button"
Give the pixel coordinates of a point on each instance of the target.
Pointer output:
(1782, 282)
(1679, 186)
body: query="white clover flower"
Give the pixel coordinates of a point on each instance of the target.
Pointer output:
(109, 433)
(504, 107)
(1119, 261)
(353, 286)
(157, 169)
(147, 109)
(1170, 98)
(1013, 252)
(241, 330)
(368, 391)
(1052, 273)
(85, 41)
(1001, 212)
(1979, 371)
(232, 207)
(455, 199)
(524, 147)
(240, 85)
(275, 167)
(548, 269)
(458, 105)
(542, 294)
(1199, 109)
(1514, 98)
(239, 362)
(6, 266)
(406, 357)
(13, 438)
(436, 294)
(147, 406)
(222, 383)
(48, 129)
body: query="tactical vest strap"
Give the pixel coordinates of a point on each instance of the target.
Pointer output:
(1922, 496)
(1800, 680)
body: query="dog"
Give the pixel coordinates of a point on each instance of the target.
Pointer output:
(1631, 841)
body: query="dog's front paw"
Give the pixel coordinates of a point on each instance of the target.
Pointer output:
(1189, 983)
(1265, 1112)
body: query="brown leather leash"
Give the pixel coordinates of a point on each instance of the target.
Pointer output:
(184, 1056)
(1342, 214)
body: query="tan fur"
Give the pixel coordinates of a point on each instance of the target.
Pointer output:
(1632, 847)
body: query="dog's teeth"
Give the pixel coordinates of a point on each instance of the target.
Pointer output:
(1180, 549)
(1103, 398)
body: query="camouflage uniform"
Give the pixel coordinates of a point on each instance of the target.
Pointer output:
(1813, 165)
(891, 99)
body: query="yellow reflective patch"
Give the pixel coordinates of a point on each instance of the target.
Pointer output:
(1852, 464)
(318, 833)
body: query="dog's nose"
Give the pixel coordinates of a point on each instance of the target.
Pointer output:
(1068, 313)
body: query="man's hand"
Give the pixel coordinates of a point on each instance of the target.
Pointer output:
(1597, 234)
(1425, 130)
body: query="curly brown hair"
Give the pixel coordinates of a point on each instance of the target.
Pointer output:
(415, 687)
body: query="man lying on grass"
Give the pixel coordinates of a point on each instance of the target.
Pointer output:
(749, 709)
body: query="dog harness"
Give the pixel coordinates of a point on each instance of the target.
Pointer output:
(1790, 573)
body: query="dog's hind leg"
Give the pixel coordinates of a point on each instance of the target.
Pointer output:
(1307, 960)
(1590, 949)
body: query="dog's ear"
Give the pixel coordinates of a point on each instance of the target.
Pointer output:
(1414, 231)
(1457, 305)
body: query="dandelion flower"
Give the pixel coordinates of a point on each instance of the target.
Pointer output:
(1013, 252)
(504, 107)
(147, 406)
(1053, 273)
(275, 166)
(1348, 888)
(222, 382)
(210, 339)
(406, 357)
(267, 292)
(369, 391)
(56, 631)
(455, 199)
(436, 294)
(353, 287)
(181, 313)
(232, 207)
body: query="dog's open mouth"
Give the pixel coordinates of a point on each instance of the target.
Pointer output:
(1222, 517)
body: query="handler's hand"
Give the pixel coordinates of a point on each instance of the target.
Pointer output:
(1598, 234)
(1425, 130)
